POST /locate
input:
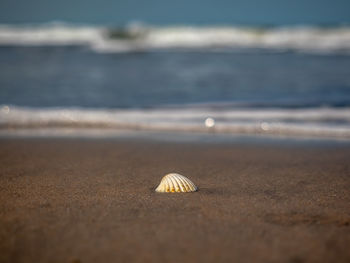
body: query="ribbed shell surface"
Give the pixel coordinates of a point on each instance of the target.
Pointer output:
(176, 183)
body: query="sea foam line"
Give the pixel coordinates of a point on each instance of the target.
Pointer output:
(142, 38)
(318, 122)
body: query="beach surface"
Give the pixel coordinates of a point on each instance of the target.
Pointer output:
(75, 200)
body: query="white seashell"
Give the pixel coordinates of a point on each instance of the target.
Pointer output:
(175, 183)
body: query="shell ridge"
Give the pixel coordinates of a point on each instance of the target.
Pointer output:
(167, 184)
(173, 184)
(191, 184)
(187, 184)
(181, 184)
(163, 184)
(178, 184)
(184, 183)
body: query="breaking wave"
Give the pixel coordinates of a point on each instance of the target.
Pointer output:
(314, 122)
(138, 37)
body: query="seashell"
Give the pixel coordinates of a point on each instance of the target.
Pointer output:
(175, 183)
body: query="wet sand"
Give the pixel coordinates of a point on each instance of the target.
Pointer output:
(66, 200)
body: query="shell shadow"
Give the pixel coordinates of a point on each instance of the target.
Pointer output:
(201, 190)
(219, 191)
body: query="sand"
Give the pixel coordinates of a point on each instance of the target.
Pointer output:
(68, 200)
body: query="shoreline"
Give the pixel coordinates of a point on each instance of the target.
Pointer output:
(317, 122)
(191, 137)
(90, 200)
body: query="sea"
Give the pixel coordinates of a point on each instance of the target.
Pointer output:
(230, 79)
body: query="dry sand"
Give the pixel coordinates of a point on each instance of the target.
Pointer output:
(65, 200)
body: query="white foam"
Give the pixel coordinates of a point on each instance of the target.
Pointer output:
(306, 38)
(317, 122)
(49, 34)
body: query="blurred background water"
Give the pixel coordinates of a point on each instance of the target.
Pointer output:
(228, 67)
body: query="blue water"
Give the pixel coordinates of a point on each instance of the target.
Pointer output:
(283, 81)
(208, 12)
(77, 76)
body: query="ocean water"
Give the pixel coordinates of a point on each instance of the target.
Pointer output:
(165, 12)
(290, 81)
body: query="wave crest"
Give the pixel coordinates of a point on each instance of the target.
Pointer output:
(315, 122)
(136, 37)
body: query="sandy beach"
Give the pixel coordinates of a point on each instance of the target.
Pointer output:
(69, 200)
